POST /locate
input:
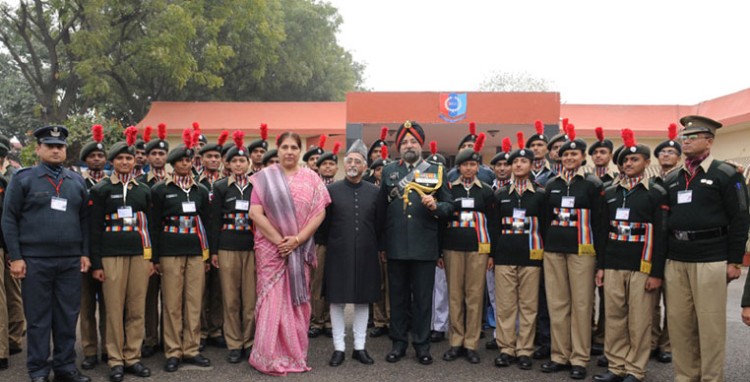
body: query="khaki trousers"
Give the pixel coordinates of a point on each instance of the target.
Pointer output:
(182, 293)
(516, 295)
(320, 317)
(697, 313)
(381, 310)
(91, 295)
(465, 272)
(4, 349)
(125, 285)
(659, 333)
(153, 310)
(569, 282)
(628, 308)
(212, 312)
(14, 303)
(237, 270)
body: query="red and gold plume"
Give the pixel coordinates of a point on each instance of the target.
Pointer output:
(223, 137)
(507, 145)
(130, 135)
(162, 131)
(97, 133)
(147, 133)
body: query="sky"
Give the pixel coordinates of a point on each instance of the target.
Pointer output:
(595, 52)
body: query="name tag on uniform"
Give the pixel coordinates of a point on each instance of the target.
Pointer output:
(125, 212)
(210, 196)
(242, 205)
(685, 197)
(622, 214)
(519, 213)
(568, 202)
(467, 203)
(188, 207)
(59, 204)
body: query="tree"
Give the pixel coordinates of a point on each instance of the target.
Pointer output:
(19, 111)
(515, 82)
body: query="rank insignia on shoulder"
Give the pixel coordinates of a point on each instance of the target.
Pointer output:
(394, 176)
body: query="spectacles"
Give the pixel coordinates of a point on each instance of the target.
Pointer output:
(354, 160)
(691, 137)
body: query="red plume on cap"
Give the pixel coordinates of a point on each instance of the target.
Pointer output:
(480, 142)
(507, 145)
(628, 138)
(472, 128)
(263, 131)
(196, 126)
(539, 126)
(383, 133)
(521, 141)
(130, 135)
(162, 132)
(672, 131)
(239, 138)
(571, 132)
(336, 148)
(147, 133)
(196, 137)
(565, 125)
(599, 134)
(223, 138)
(433, 147)
(322, 141)
(384, 152)
(187, 138)
(97, 133)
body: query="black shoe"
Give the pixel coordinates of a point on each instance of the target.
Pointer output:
(482, 335)
(3, 363)
(578, 372)
(14, 350)
(314, 332)
(542, 352)
(40, 379)
(148, 351)
(117, 373)
(597, 349)
(524, 362)
(105, 358)
(234, 356)
(602, 362)
(424, 357)
(554, 367)
(491, 345)
(664, 357)
(436, 336)
(608, 377)
(472, 356)
(328, 332)
(89, 362)
(73, 376)
(631, 378)
(378, 332)
(337, 358)
(362, 357)
(202, 345)
(395, 355)
(218, 342)
(503, 360)
(139, 370)
(172, 364)
(453, 353)
(198, 360)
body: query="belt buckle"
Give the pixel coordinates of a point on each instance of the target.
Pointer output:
(466, 216)
(519, 225)
(240, 221)
(564, 216)
(128, 222)
(186, 223)
(682, 235)
(624, 230)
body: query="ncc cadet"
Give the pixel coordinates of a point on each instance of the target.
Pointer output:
(502, 169)
(180, 206)
(668, 154)
(485, 174)
(375, 171)
(518, 255)
(156, 154)
(121, 257)
(212, 312)
(466, 246)
(197, 157)
(414, 195)
(311, 155)
(553, 150)
(7, 169)
(537, 143)
(574, 201)
(375, 158)
(631, 266)
(50, 260)
(381, 309)
(258, 149)
(141, 161)
(93, 154)
(320, 319)
(4, 337)
(232, 251)
(271, 157)
(440, 304)
(708, 225)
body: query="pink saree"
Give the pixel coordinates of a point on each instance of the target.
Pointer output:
(283, 299)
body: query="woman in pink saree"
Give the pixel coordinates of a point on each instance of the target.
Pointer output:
(287, 206)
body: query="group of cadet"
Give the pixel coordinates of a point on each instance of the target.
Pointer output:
(537, 232)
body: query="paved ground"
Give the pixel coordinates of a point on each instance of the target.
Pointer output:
(737, 365)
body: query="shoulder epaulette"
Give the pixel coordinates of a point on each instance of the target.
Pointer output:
(659, 188)
(726, 168)
(671, 177)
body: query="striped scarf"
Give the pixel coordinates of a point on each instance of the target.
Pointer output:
(693, 164)
(241, 181)
(556, 167)
(500, 183)
(96, 175)
(184, 182)
(520, 185)
(159, 173)
(125, 178)
(630, 183)
(52, 171)
(327, 179)
(538, 165)
(600, 171)
(137, 171)
(568, 175)
(467, 182)
(212, 176)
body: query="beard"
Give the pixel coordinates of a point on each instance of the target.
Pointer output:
(410, 156)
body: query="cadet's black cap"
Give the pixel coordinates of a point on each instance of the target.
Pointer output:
(435, 157)
(380, 142)
(503, 155)
(471, 137)
(572, 143)
(329, 155)
(270, 154)
(699, 124)
(119, 148)
(671, 142)
(600, 142)
(539, 136)
(631, 147)
(316, 150)
(52, 135)
(473, 154)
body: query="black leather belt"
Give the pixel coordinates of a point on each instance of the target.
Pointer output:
(182, 223)
(123, 222)
(702, 234)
